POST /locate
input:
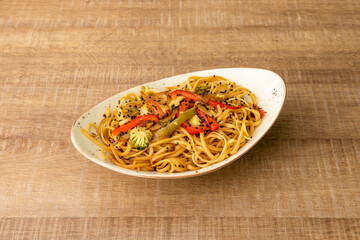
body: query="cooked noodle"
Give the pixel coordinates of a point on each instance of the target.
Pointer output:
(181, 151)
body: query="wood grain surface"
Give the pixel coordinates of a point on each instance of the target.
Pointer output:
(59, 58)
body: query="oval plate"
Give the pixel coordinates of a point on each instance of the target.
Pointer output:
(268, 86)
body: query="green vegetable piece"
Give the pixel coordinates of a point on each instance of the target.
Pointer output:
(169, 129)
(202, 90)
(140, 137)
(195, 121)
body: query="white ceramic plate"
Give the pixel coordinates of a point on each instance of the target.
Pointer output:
(268, 87)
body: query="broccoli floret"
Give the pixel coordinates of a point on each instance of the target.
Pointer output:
(195, 121)
(140, 137)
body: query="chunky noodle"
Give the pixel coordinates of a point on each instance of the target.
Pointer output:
(181, 151)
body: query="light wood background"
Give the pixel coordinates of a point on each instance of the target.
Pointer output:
(58, 58)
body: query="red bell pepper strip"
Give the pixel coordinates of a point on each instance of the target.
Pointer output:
(261, 111)
(213, 125)
(193, 130)
(156, 108)
(183, 107)
(186, 94)
(222, 105)
(133, 123)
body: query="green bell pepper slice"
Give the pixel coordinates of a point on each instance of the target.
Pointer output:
(169, 129)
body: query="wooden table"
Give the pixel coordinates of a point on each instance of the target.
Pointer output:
(302, 181)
